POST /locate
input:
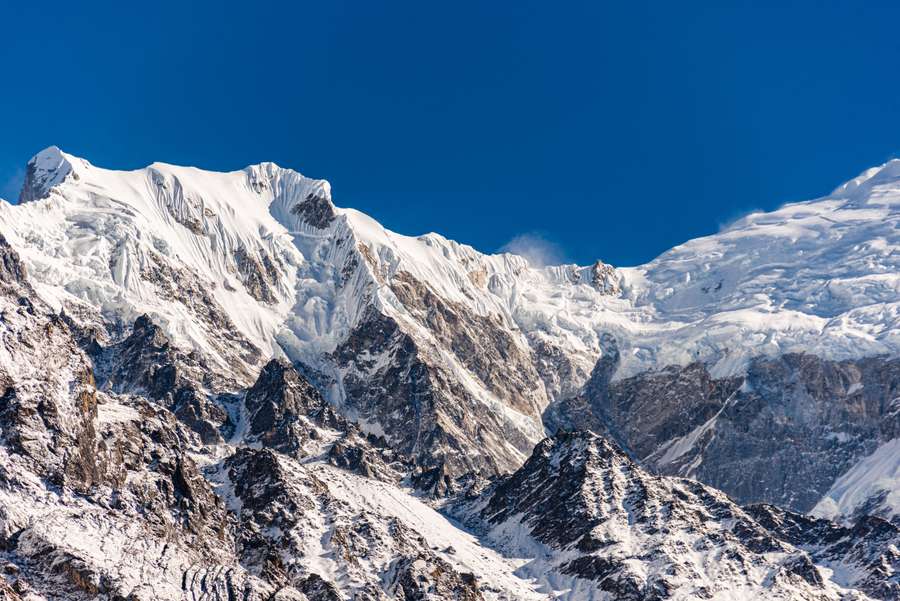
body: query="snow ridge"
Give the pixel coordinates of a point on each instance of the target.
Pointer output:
(267, 396)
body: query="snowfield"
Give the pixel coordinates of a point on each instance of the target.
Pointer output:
(876, 477)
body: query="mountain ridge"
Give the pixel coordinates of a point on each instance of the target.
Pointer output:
(272, 397)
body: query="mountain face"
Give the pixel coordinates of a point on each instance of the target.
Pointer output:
(783, 432)
(788, 379)
(422, 340)
(616, 531)
(223, 386)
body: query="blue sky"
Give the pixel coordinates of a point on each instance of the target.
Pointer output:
(593, 130)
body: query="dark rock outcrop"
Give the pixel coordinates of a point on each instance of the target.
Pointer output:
(315, 210)
(12, 271)
(285, 411)
(781, 434)
(638, 536)
(424, 578)
(270, 509)
(259, 275)
(318, 589)
(147, 363)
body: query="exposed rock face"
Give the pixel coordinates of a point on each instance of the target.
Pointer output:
(781, 434)
(615, 528)
(284, 410)
(260, 276)
(147, 363)
(172, 496)
(315, 587)
(12, 272)
(423, 410)
(315, 210)
(269, 505)
(368, 456)
(484, 345)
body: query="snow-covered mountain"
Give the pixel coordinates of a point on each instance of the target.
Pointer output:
(238, 267)
(818, 277)
(269, 396)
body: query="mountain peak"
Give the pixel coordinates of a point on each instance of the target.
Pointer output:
(48, 168)
(586, 444)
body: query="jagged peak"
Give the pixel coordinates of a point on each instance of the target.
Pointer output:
(564, 441)
(145, 323)
(580, 454)
(46, 170)
(264, 175)
(277, 367)
(277, 376)
(145, 331)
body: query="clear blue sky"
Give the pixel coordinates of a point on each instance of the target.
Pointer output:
(613, 130)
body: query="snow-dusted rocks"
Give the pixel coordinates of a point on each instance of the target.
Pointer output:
(99, 494)
(313, 526)
(863, 556)
(148, 364)
(594, 522)
(285, 412)
(223, 386)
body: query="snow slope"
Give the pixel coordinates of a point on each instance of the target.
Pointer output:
(871, 487)
(818, 276)
(244, 265)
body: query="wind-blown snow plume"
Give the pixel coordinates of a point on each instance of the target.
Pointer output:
(537, 249)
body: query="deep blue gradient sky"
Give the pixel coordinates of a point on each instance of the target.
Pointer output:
(615, 131)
